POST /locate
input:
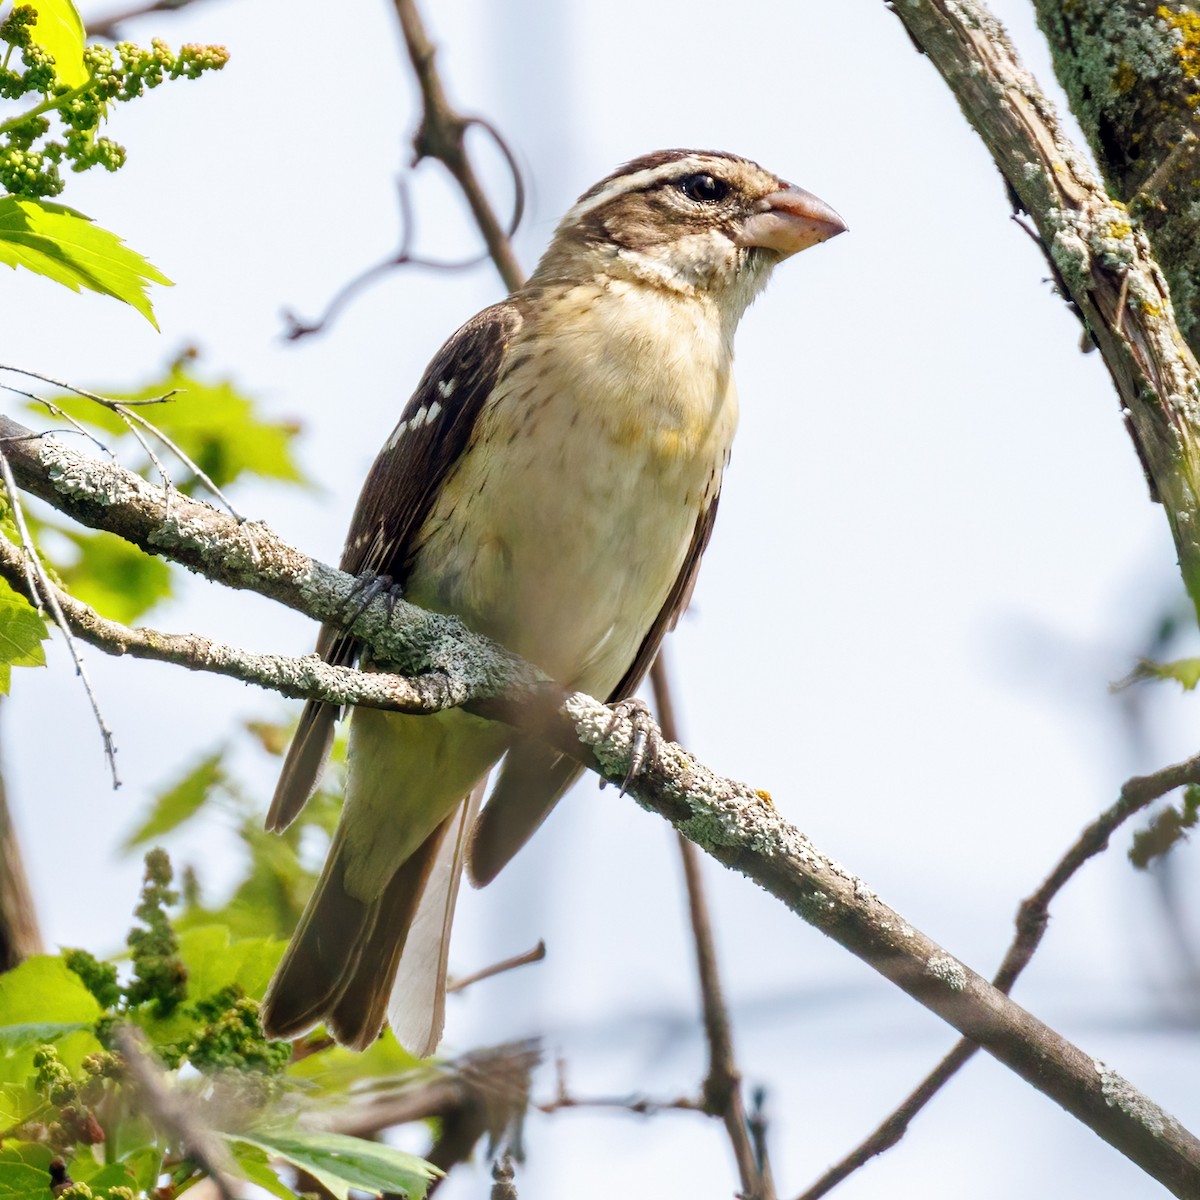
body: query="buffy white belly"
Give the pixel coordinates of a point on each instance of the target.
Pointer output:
(562, 537)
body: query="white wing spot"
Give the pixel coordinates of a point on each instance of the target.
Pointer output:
(397, 436)
(446, 387)
(434, 409)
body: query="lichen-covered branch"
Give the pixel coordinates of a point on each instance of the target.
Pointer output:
(1101, 257)
(296, 678)
(1131, 70)
(737, 825)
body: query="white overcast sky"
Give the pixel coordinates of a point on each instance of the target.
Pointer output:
(934, 554)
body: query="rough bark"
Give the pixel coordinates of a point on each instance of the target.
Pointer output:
(1131, 70)
(1102, 259)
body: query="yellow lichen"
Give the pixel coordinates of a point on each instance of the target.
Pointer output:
(1124, 79)
(1187, 25)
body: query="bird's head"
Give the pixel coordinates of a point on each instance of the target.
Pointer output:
(689, 221)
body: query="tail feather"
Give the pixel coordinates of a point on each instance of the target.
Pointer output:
(323, 953)
(532, 780)
(303, 765)
(338, 969)
(417, 1009)
(357, 1014)
(349, 957)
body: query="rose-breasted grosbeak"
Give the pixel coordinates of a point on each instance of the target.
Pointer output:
(553, 481)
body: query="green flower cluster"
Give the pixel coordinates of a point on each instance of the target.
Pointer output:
(218, 1034)
(159, 974)
(81, 1191)
(29, 164)
(73, 1098)
(232, 1038)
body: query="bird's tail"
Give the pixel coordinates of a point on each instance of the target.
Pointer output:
(343, 965)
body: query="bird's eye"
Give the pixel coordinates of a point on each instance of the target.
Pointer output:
(704, 189)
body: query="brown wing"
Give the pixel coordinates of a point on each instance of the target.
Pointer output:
(434, 430)
(533, 777)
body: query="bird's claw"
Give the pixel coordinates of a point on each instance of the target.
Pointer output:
(646, 743)
(366, 587)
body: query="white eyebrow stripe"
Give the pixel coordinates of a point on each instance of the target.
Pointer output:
(623, 184)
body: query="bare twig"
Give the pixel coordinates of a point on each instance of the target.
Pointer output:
(757, 1124)
(54, 410)
(107, 26)
(504, 1186)
(442, 135)
(40, 590)
(736, 824)
(132, 420)
(642, 1105)
(404, 257)
(1032, 919)
(509, 964)
(168, 1110)
(722, 1089)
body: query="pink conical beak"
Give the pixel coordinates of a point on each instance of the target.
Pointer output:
(789, 221)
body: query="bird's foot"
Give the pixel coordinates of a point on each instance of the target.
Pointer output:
(366, 587)
(646, 745)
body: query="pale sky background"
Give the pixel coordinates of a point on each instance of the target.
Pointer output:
(934, 554)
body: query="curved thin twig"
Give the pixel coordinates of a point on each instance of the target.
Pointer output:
(441, 135)
(40, 591)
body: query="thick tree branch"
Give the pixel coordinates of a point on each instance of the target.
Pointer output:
(1102, 260)
(1131, 70)
(737, 825)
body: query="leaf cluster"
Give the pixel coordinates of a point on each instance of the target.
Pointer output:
(219, 429)
(73, 88)
(72, 1122)
(45, 57)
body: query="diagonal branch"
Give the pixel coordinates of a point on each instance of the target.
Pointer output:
(737, 825)
(1033, 916)
(1101, 259)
